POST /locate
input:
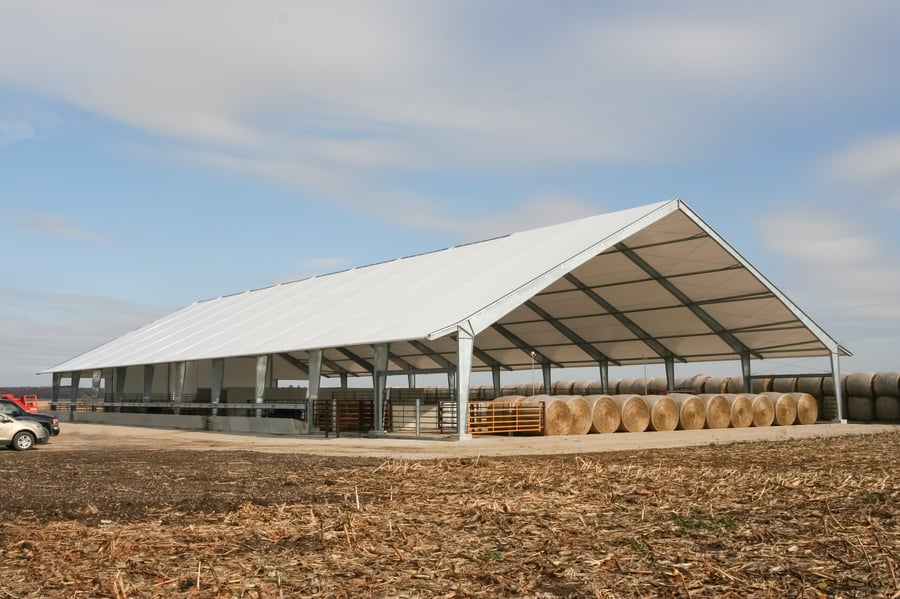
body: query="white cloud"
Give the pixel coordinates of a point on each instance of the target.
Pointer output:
(847, 272)
(56, 225)
(871, 164)
(345, 87)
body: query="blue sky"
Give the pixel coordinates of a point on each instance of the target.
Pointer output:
(154, 154)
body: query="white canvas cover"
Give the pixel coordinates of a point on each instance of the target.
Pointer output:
(633, 286)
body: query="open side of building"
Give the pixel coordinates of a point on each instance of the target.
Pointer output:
(653, 284)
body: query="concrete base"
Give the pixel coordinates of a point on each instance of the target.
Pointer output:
(247, 424)
(155, 420)
(225, 424)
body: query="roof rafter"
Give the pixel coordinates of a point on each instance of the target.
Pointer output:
(699, 312)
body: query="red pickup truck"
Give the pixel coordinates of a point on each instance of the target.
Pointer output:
(29, 403)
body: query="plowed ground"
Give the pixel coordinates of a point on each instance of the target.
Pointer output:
(802, 518)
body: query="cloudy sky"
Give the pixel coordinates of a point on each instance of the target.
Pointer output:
(153, 154)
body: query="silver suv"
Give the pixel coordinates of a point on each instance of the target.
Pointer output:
(20, 434)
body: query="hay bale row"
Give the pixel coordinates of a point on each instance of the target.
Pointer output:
(633, 413)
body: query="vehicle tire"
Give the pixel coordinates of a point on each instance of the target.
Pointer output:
(22, 441)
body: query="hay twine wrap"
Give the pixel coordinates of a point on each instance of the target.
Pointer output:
(691, 411)
(634, 415)
(718, 410)
(663, 412)
(763, 409)
(580, 413)
(887, 384)
(604, 414)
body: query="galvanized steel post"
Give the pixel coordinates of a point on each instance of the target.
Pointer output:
(262, 370)
(465, 348)
(315, 376)
(838, 391)
(379, 377)
(177, 386)
(670, 374)
(148, 382)
(54, 398)
(217, 376)
(75, 384)
(495, 377)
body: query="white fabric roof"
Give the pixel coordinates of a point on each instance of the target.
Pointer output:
(631, 286)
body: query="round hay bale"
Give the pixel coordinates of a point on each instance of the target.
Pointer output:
(510, 389)
(634, 415)
(698, 383)
(763, 410)
(614, 386)
(691, 411)
(861, 384)
(557, 415)
(887, 408)
(741, 405)
(596, 388)
(658, 385)
(735, 385)
(760, 385)
(604, 414)
(828, 385)
(887, 384)
(785, 407)
(783, 384)
(663, 412)
(561, 387)
(681, 383)
(829, 407)
(811, 385)
(580, 413)
(715, 384)
(860, 407)
(807, 408)
(631, 387)
(581, 387)
(530, 389)
(505, 406)
(718, 410)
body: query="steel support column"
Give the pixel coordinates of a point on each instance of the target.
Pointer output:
(96, 379)
(380, 379)
(176, 389)
(120, 375)
(217, 376)
(604, 376)
(670, 373)
(54, 398)
(838, 391)
(74, 386)
(745, 370)
(465, 347)
(262, 373)
(548, 383)
(495, 376)
(315, 380)
(148, 382)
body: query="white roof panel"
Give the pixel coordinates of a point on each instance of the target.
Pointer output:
(623, 258)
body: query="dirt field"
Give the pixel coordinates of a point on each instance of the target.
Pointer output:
(102, 512)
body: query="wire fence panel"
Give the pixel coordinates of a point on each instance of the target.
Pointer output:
(491, 417)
